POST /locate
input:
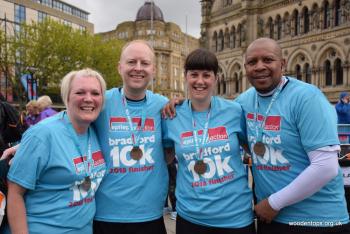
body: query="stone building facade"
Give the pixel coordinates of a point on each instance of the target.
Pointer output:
(171, 46)
(314, 36)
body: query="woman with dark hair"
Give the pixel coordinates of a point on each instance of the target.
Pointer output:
(212, 189)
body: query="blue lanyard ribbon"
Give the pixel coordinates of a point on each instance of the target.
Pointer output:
(88, 162)
(199, 148)
(135, 133)
(259, 129)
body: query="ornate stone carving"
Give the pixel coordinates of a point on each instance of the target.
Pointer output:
(315, 20)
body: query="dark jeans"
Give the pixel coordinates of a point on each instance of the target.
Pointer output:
(151, 227)
(185, 227)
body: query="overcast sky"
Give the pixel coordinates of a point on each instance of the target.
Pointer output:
(107, 14)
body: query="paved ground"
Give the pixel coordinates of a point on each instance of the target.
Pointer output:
(169, 224)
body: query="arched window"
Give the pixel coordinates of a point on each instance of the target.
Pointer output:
(306, 20)
(279, 27)
(239, 31)
(286, 24)
(337, 9)
(227, 38)
(220, 76)
(215, 42)
(296, 20)
(315, 17)
(307, 73)
(223, 87)
(221, 41)
(338, 72)
(270, 26)
(298, 72)
(236, 83)
(233, 38)
(328, 72)
(326, 15)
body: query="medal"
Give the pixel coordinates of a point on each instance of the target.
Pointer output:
(200, 167)
(87, 160)
(86, 185)
(136, 153)
(259, 149)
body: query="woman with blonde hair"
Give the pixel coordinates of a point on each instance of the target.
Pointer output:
(59, 165)
(46, 110)
(33, 113)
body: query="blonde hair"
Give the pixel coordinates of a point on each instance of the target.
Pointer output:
(35, 105)
(44, 102)
(86, 72)
(32, 103)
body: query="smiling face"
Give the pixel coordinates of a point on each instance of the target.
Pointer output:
(136, 67)
(85, 101)
(264, 64)
(201, 85)
(201, 67)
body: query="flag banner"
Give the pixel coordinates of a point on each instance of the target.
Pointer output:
(30, 86)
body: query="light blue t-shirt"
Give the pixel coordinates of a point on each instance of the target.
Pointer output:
(132, 191)
(220, 197)
(49, 165)
(300, 120)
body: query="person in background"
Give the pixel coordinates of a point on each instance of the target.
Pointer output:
(172, 171)
(292, 134)
(343, 108)
(59, 165)
(212, 189)
(11, 126)
(3, 143)
(45, 107)
(33, 113)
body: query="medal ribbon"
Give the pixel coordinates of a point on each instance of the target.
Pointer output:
(135, 134)
(88, 162)
(199, 148)
(260, 129)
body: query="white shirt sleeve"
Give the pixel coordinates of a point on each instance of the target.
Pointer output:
(323, 168)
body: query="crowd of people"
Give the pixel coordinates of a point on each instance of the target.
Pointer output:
(37, 110)
(100, 166)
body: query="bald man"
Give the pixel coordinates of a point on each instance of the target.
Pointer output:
(132, 194)
(292, 134)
